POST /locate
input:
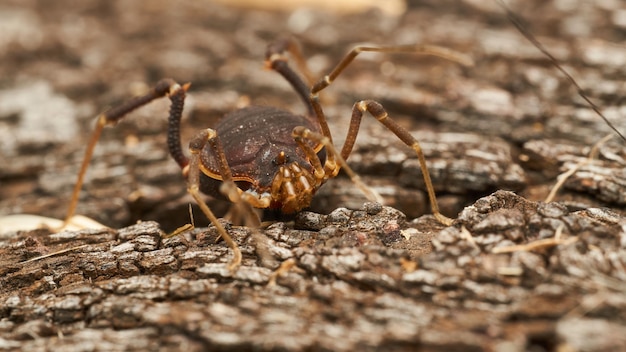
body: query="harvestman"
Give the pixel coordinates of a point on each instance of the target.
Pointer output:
(267, 157)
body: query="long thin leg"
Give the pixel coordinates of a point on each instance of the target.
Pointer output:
(415, 49)
(112, 116)
(377, 110)
(193, 178)
(276, 59)
(325, 81)
(277, 49)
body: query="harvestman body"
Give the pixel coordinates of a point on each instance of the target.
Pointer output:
(266, 157)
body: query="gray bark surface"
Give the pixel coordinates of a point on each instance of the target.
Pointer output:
(511, 273)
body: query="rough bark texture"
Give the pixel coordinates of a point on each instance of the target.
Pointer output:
(512, 272)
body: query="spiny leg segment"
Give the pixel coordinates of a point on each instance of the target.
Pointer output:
(176, 94)
(112, 116)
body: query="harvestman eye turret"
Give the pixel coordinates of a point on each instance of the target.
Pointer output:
(267, 157)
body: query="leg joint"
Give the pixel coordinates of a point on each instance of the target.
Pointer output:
(373, 107)
(164, 86)
(197, 143)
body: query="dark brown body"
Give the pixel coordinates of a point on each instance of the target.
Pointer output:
(252, 139)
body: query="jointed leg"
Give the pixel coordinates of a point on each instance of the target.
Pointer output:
(415, 49)
(276, 51)
(276, 60)
(345, 62)
(112, 116)
(377, 110)
(228, 187)
(193, 178)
